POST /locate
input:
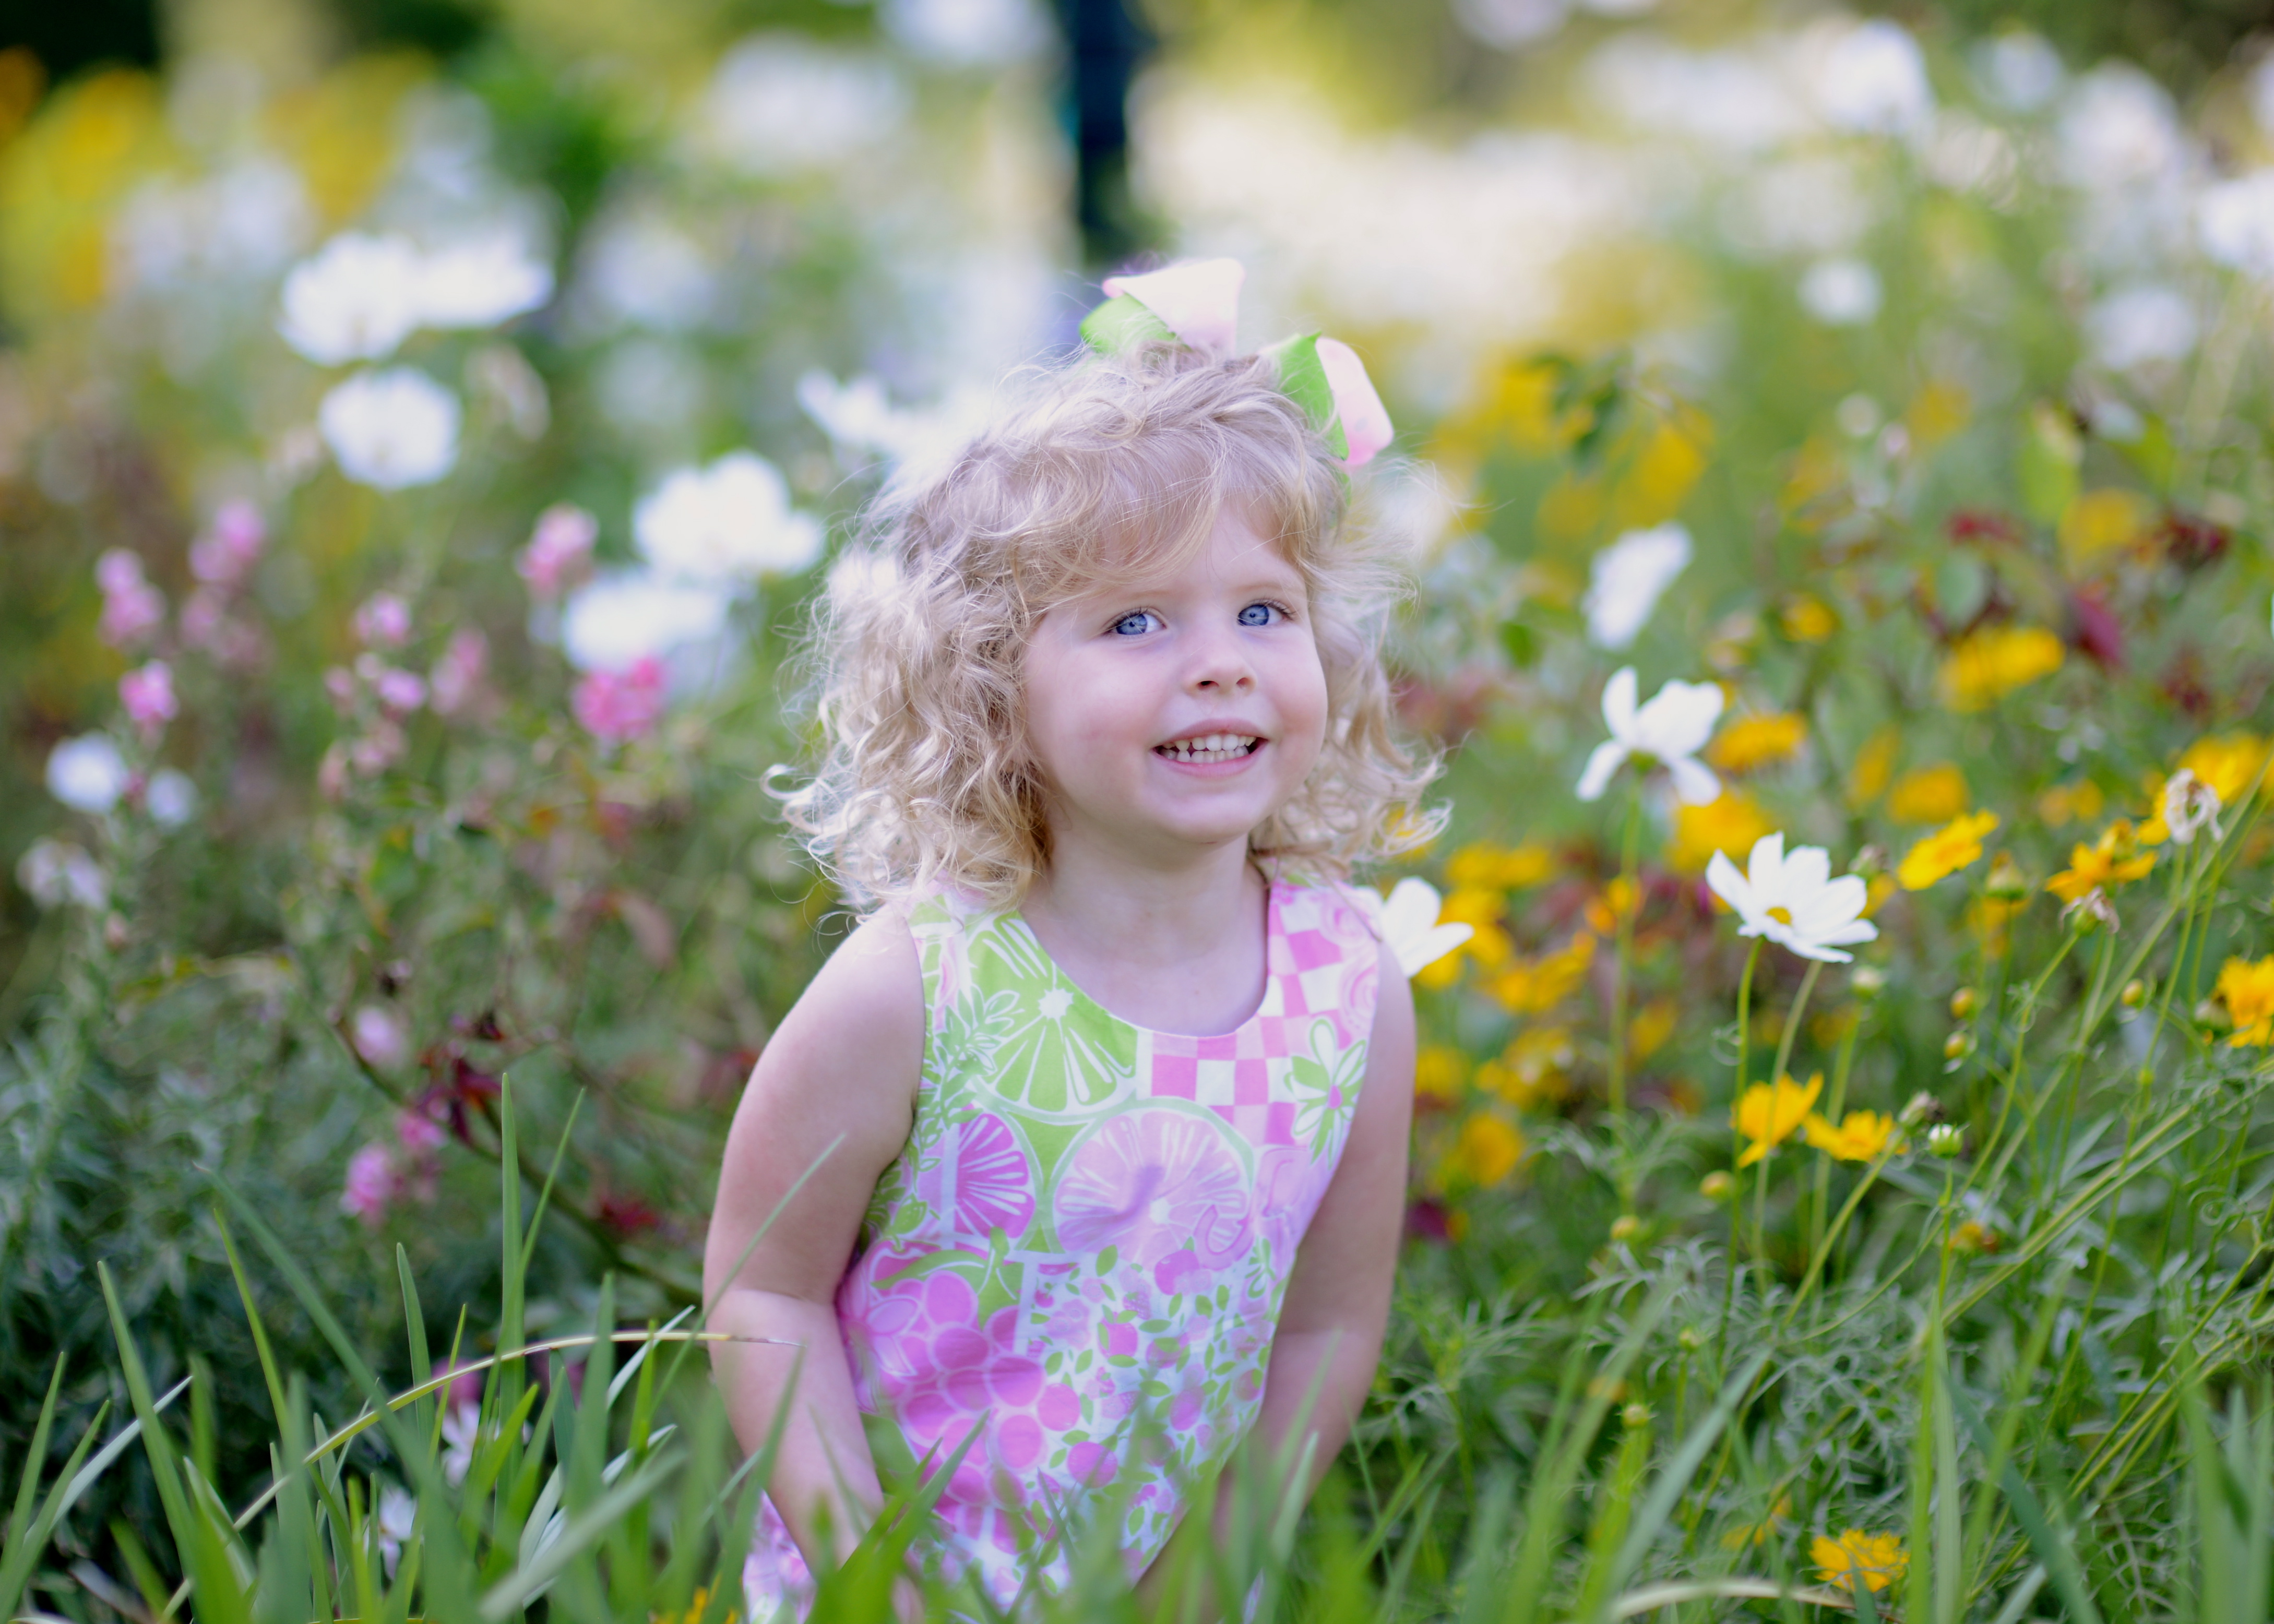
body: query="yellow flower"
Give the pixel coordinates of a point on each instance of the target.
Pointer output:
(2074, 803)
(1533, 987)
(2105, 865)
(2099, 521)
(1654, 1023)
(2247, 991)
(1481, 910)
(1973, 1237)
(694, 1605)
(1867, 780)
(1487, 1150)
(1618, 900)
(1987, 918)
(1753, 742)
(1860, 1137)
(1533, 1069)
(1807, 618)
(2226, 762)
(1933, 794)
(1876, 1559)
(1483, 866)
(1767, 1115)
(1944, 853)
(1730, 824)
(1737, 1539)
(1440, 1072)
(1986, 666)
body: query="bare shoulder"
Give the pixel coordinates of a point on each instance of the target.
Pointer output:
(867, 1000)
(1393, 1039)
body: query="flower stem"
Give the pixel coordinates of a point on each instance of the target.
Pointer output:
(1776, 1072)
(1736, 1149)
(1626, 900)
(1831, 1111)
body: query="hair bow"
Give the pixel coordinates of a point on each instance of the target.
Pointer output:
(1196, 301)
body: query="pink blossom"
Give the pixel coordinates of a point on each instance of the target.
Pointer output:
(131, 607)
(384, 621)
(202, 616)
(399, 691)
(458, 676)
(339, 682)
(616, 705)
(379, 1036)
(147, 693)
(227, 552)
(373, 1183)
(558, 551)
(418, 1132)
(379, 750)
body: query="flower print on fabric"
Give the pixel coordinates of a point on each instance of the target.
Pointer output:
(1077, 1261)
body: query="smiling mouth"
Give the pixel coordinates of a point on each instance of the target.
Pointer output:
(1209, 747)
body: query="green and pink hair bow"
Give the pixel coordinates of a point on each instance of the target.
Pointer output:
(1196, 303)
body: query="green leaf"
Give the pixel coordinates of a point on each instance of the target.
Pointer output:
(1121, 324)
(1304, 382)
(2046, 466)
(1516, 637)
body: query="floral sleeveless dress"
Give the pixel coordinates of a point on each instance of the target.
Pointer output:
(1083, 1248)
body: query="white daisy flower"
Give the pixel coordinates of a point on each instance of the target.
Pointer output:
(1794, 900)
(1408, 922)
(1669, 730)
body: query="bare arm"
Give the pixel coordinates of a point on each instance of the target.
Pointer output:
(1337, 1303)
(835, 1094)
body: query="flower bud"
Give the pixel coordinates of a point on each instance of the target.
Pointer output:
(2212, 1013)
(2135, 994)
(1634, 1416)
(1957, 1046)
(1717, 1186)
(1946, 1139)
(1963, 1002)
(1868, 980)
(1690, 1338)
(2006, 883)
(1923, 1107)
(1625, 1227)
(1869, 864)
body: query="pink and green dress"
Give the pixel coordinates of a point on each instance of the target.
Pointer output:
(1082, 1250)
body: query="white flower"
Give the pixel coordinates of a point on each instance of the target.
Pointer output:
(780, 103)
(644, 271)
(626, 616)
(730, 522)
(1874, 80)
(87, 773)
(2234, 221)
(55, 872)
(1408, 922)
(1794, 900)
(1841, 293)
(2190, 807)
(397, 1517)
(380, 1036)
(462, 1426)
(2019, 71)
(391, 430)
(1670, 730)
(863, 425)
(2155, 322)
(482, 282)
(355, 300)
(2119, 128)
(171, 798)
(967, 33)
(1630, 576)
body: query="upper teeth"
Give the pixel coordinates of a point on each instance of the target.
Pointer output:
(1211, 746)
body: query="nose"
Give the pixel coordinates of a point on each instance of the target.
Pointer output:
(1219, 666)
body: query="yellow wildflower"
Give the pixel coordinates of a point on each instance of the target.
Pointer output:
(1938, 411)
(1876, 1559)
(1985, 665)
(2226, 762)
(2097, 521)
(1767, 1115)
(1867, 780)
(1987, 918)
(2102, 865)
(1440, 1072)
(1807, 618)
(2073, 803)
(2247, 988)
(1944, 853)
(1481, 910)
(1730, 824)
(1860, 1137)
(1654, 1023)
(1487, 1150)
(1752, 741)
(1483, 866)
(1665, 466)
(1932, 794)
(1737, 1539)
(1533, 1070)
(1973, 1237)
(1618, 900)
(1533, 987)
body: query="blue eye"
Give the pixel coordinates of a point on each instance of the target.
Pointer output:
(1136, 624)
(1257, 615)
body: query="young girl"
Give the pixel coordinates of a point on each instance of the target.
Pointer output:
(1101, 1114)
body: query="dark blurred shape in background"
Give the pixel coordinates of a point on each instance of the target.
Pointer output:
(72, 34)
(1105, 45)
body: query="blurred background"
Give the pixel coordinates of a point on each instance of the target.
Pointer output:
(422, 422)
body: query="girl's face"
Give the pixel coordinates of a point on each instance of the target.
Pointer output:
(1174, 712)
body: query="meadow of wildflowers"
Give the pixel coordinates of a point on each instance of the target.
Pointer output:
(1835, 464)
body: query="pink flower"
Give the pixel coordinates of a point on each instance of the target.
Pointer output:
(1364, 419)
(1152, 1175)
(558, 551)
(1196, 299)
(417, 1132)
(131, 607)
(614, 706)
(399, 691)
(373, 1183)
(990, 1188)
(227, 552)
(147, 693)
(202, 617)
(383, 622)
(378, 750)
(379, 1036)
(458, 676)
(339, 682)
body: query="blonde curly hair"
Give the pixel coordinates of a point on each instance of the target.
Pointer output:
(1108, 468)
